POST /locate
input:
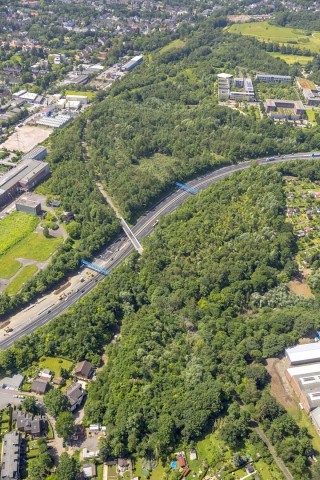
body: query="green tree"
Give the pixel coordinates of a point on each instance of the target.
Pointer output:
(65, 425)
(68, 468)
(29, 404)
(55, 402)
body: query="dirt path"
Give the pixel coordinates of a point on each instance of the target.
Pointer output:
(275, 457)
(109, 200)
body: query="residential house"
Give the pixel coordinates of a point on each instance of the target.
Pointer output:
(75, 394)
(39, 386)
(30, 424)
(83, 370)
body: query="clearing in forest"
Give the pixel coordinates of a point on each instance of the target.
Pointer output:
(272, 33)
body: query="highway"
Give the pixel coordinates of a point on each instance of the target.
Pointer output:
(121, 248)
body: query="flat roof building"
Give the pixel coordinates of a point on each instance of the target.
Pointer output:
(54, 122)
(305, 381)
(309, 90)
(36, 153)
(285, 109)
(132, 63)
(273, 78)
(12, 383)
(24, 176)
(27, 205)
(10, 456)
(302, 354)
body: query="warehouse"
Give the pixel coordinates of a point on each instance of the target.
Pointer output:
(132, 63)
(302, 354)
(54, 122)
(37, 153)
(26, 175)
(305, 381)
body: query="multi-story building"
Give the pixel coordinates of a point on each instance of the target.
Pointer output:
(309, 90)
(273, 78)
(285, 109)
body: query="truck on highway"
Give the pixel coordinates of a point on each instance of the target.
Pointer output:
(314, 155)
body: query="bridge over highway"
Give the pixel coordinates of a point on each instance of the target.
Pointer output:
(27, 321)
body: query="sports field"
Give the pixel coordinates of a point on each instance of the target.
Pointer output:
(292, 59)
(272, 33)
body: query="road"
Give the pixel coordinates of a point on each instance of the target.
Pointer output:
(30, 319)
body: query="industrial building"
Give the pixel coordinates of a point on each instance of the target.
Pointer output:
(22, 178)
(285, 109)
(134, 62)
(303, 354)
(309, 90)
(27, 205)
(37, 153)
(273, 78)
(305, 381)
(83, 99)
(54, 122)
(10, 456)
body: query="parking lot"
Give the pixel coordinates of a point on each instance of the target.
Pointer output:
(8, 396)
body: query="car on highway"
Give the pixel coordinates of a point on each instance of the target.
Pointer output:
(269, 159)
(49, 311)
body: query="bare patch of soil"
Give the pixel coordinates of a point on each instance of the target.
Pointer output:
(280, 387)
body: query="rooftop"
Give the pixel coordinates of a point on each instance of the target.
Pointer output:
(10, 456)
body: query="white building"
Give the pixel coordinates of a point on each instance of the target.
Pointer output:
(306, 353)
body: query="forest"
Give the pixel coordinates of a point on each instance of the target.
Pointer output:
(163, 122)
(193, 341)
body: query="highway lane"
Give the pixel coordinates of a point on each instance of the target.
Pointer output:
(121, 248)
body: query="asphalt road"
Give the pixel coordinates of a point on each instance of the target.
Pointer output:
(121, 248)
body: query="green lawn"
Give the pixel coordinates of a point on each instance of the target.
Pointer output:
(54, 364)
(291, 59)
(90, 95)
(14, 228)
(272, 33)
(100, 472)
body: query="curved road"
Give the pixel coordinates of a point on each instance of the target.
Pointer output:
(120, 249)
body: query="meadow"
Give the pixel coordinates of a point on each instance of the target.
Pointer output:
(272, 33)
(14, 228)
(292, 59)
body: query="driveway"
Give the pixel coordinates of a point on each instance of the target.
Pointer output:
(7, 396)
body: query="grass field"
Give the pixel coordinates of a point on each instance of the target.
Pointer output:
(311, 114)
(273, 33)
(34, 246)
(178, 43)
(14, 228)
(22, 277)
(90, 95)
(291, 59)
